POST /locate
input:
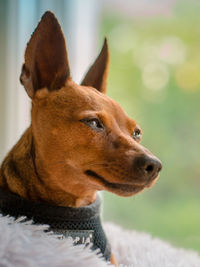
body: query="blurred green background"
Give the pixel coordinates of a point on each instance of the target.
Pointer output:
(155, 76)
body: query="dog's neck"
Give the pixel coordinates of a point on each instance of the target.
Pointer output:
(23, 172)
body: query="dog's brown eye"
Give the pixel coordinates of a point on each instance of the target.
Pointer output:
(94, 123)
(137, 134)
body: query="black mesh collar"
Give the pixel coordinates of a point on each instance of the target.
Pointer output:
(82, 224)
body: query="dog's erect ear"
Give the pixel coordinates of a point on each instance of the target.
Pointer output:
(97, 74)
(46, 62)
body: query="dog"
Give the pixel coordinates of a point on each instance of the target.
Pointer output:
(79, 142)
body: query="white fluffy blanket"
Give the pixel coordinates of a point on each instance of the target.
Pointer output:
(26, 245)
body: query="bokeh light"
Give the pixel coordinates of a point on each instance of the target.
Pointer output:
(172, 50)
(188, 76)
(155, 76)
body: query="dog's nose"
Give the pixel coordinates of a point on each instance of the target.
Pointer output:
(147, 166)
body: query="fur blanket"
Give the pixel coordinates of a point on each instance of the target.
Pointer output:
(26, 245)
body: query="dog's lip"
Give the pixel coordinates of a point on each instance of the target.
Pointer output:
(118, 186)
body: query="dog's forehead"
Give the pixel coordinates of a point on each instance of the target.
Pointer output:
(81, 97)
(74, 99)
(90, 99)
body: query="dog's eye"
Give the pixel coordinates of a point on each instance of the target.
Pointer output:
(137, 134)
(94, 123)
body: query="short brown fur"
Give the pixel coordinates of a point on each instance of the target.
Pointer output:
(61, 158)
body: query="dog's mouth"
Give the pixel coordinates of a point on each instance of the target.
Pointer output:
(119, 188)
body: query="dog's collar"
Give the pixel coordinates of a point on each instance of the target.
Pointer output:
(82, 224)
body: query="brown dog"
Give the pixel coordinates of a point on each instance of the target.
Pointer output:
(80, 141)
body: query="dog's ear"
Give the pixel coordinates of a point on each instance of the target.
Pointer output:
(98, 72)
(46, 61)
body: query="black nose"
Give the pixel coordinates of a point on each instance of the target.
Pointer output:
(147, 166)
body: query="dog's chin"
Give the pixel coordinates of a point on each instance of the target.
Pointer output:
(126, 192)
(133, 189)
(121, 189)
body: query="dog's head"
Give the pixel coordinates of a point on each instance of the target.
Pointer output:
(83, 138)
